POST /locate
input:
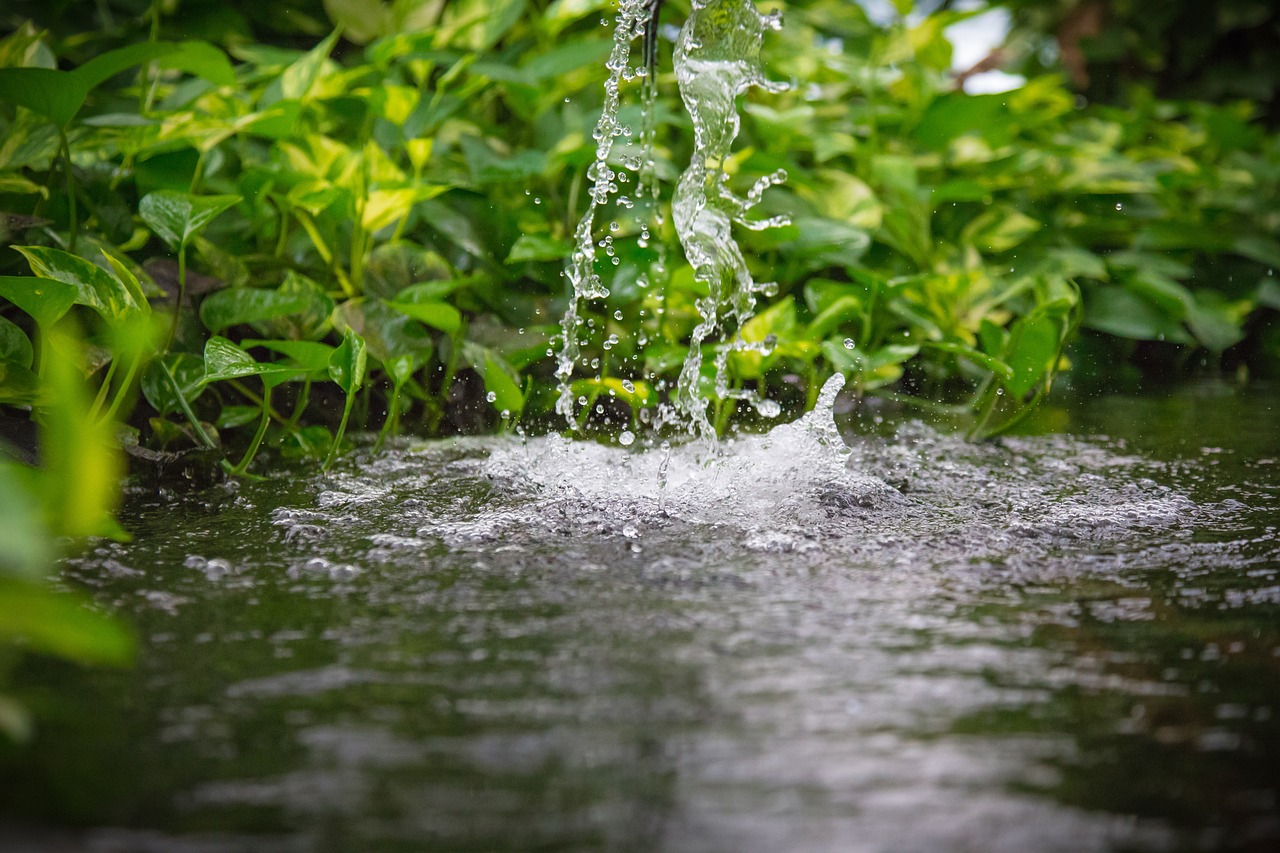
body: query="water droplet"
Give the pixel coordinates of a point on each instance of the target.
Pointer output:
(850, 343)
(626, 437)
(1119, 206)
(492, 397)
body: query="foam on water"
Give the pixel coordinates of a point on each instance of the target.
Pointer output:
(919, 496)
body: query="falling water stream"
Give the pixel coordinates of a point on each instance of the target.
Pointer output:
(717, 58)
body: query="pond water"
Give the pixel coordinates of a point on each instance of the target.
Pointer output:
(911, 644)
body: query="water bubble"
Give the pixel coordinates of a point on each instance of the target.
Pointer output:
(626, 437)
(617, 315)
(850, 343)
(628, 386)
(769, 408)
(492, 397)
(1119, 206)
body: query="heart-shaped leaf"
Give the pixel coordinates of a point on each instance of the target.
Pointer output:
(187, 371)
(44, 299)
(437, 315)
(94, 286)
(15, 346)
(234, 306)
(225, 360)
(347, 364)
(177, 217)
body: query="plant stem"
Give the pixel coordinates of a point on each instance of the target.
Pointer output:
(101, 398)
(393, 418)
(263, 422)
(182, 295)
(72, 214)
(342, 428)
(186, 408)
(124, 386)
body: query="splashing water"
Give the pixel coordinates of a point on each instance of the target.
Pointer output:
(634, 17)
(717, 58)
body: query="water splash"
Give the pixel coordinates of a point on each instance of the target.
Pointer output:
(634, 17)
(717, 58)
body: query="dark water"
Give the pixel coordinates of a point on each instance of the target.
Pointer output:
(1045, 644)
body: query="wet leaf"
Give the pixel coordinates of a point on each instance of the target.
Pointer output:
(187, 369)
(437, 315)
(347, 363)
(94, 286)
(234, 306)
(177, 217)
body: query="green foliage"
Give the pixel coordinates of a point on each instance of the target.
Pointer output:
(404, 188)
(69, 496)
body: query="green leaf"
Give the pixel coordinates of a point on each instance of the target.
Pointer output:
(56, 95)
(201, 59)
(386, 332)
(176, 217)
(18, 385)
(1119, 312)
(565, 58)
(94, 286)
(15, 346)
(955, 114)
(347, 363)
(982, 359)
(538, 247)
(999, 229)
(298, 80)
(225, 360)
(104, 66)
(82, 463)
(437, 315)
(187, 369)
(62, 624)
(28, 548)
(1268, 293)
(401, 368)
(1211, 321)
(1036, 341)
(311, 355)
(234, 306)
(499, 381)
(636, 393)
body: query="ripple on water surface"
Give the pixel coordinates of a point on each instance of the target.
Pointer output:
(903, 642)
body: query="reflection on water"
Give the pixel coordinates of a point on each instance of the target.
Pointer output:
(907, 644)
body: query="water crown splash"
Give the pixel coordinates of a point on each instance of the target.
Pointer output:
(717, 58)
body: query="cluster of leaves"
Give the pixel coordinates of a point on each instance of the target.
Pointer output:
(1213, 52)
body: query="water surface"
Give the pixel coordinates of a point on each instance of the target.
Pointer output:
(910, 644)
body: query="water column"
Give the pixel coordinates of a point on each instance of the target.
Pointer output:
(717, 58)
(633, 18)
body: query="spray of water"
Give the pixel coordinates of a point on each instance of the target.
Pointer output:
(633, 18)
(717, 58)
